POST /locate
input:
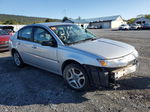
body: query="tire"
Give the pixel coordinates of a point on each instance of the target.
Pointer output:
(76, 77)
(17, 59)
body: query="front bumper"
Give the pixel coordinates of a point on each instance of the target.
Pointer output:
(104, 77)
(124, 71)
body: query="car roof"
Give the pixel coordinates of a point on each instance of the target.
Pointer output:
(53, 24)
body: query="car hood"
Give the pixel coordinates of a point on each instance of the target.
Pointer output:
(105, 48)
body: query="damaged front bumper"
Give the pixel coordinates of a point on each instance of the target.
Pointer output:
(104, 77)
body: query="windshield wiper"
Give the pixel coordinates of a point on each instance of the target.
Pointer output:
(86, 39)
(83, 40)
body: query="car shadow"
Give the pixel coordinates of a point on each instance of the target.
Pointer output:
(135, 82)
(30, 85)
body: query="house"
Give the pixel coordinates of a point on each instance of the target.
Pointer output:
(142, 20)
(112, 22)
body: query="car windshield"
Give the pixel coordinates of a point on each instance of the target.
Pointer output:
(2, 32)
(71, 34)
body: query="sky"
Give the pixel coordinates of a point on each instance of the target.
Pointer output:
(75, 8)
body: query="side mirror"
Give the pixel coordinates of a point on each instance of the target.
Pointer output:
(49, 43)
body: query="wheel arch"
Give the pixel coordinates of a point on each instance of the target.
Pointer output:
(65, 63)
(13, 50)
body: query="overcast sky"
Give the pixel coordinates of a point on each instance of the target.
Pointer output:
(75, 8)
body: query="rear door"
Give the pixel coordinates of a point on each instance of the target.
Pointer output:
(25, 44)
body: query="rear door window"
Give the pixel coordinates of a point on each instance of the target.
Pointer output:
(25, 34)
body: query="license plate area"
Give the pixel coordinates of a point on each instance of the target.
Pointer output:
(124, 71)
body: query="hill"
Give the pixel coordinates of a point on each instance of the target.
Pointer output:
(17, 19)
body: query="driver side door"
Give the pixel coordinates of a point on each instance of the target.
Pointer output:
(46, 56)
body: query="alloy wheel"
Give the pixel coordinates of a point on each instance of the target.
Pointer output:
(75, 78)
(17, 59)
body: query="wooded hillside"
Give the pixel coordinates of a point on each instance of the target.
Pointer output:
(17, 19)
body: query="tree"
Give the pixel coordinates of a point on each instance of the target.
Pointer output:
(48, 20)
(147, 16)
(131, 21)
(51, 20)
(64, 19)
(10, 22)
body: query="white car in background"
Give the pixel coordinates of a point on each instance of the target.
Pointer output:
(124, 27)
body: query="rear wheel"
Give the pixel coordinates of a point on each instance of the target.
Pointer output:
(76, 77)
(17, 59)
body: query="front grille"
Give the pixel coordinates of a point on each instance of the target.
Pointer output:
(4, 45)
(3, 42)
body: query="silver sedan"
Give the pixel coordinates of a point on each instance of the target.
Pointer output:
(74, 53)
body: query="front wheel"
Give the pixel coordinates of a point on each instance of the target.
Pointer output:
(76, 77)
(17, 59)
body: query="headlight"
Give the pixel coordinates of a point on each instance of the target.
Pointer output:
(119, 62)
(111, 63)
(103, 62)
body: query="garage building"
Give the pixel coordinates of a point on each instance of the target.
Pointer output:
(81, 22)
(110, 22)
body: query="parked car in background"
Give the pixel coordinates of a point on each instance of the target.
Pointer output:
(8, 29)
(93, 27)
(135, 27)
(124, 27)
(74, 53)
(146, 26)
(90, 27)
(98, 27)
(4, 40)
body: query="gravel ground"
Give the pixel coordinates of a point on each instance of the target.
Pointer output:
(30, 89)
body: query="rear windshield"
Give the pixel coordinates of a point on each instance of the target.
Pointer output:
(2, 32)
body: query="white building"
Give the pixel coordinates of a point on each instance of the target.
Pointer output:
(142, 20)
(112, 22)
